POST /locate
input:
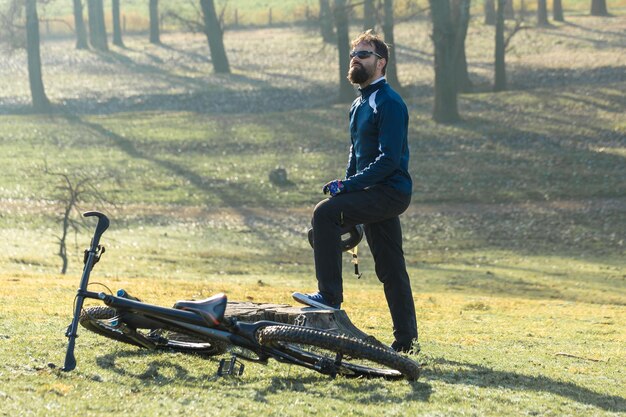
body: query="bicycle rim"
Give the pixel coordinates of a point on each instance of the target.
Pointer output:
(103, 321)
(331, 353)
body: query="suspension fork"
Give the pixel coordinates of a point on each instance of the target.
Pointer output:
(92, 256)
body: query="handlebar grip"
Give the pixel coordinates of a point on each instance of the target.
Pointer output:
(103, 224)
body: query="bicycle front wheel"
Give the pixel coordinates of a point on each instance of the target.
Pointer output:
(103, 321)
(332, 353)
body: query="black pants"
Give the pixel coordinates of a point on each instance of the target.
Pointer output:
(377, 208)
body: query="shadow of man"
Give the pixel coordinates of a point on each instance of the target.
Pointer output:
(480, 376)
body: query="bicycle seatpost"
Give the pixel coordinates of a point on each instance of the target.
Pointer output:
(91, 258)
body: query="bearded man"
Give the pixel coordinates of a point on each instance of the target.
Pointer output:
(376, 189)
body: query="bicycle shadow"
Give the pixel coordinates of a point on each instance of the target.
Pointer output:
(158, 371)
(369, 391)
(162, 371)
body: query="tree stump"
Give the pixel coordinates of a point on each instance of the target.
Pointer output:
(335, 321)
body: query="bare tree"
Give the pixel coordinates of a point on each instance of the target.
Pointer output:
(448, 39)
(542, 13)
(211, 25)
(155, 36)
(500, 65)
(490, 12)
(502, 43)
(598, 8)
(215, 36)
(79, 26)
(460, 20)
(73, 190)
(369, 15)
(557, 11)
(509, 10)
(388, 26)
(97, 29)
(346, 91)
(19, 29)
(37, 90)
(117, 27)
(327, 29)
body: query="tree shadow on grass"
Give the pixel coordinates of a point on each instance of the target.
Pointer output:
(229, 193)
(525, 77)
(599, 38)
(211, 100)
(483, 377)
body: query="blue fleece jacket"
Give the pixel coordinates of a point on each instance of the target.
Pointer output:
(379, 153)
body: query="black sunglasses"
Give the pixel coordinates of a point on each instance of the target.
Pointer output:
(363, 54)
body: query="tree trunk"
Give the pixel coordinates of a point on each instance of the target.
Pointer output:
(37, 91)
(155, 35)
(63, 238)
(460, 20)
(557, 11)
(500, 66)
(117, 28)
(490, 12)
(392, 69)
(598, 8)
(542, 13)
(79, 24)
(369, 15)
(97, 29)
(215, 37)
(445, 107)
(346, 91)
(509, 11)
(326, 22)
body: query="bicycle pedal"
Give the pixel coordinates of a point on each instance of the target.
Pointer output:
(230, 367)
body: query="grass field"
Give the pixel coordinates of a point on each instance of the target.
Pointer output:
(514, 239)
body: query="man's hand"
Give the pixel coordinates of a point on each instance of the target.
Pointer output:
(334, 187)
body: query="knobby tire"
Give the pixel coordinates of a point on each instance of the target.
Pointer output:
(294, 340)
(98, 320)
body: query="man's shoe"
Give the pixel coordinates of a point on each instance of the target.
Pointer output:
(315, 300)
(412, 347)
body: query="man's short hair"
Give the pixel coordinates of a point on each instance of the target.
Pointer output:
(380, 47)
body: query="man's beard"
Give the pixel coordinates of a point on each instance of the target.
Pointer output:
(358, 74)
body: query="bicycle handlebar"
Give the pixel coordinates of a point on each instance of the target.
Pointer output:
(103, 224)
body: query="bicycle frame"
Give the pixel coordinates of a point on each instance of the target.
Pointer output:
(140, 315)
(232, 332)
(148, 315)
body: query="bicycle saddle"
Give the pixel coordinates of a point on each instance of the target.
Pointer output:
(211, 309)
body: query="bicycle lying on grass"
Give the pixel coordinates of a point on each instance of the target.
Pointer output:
(200, 327)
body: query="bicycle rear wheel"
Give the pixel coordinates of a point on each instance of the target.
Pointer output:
(103, 321)
(326, 352)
